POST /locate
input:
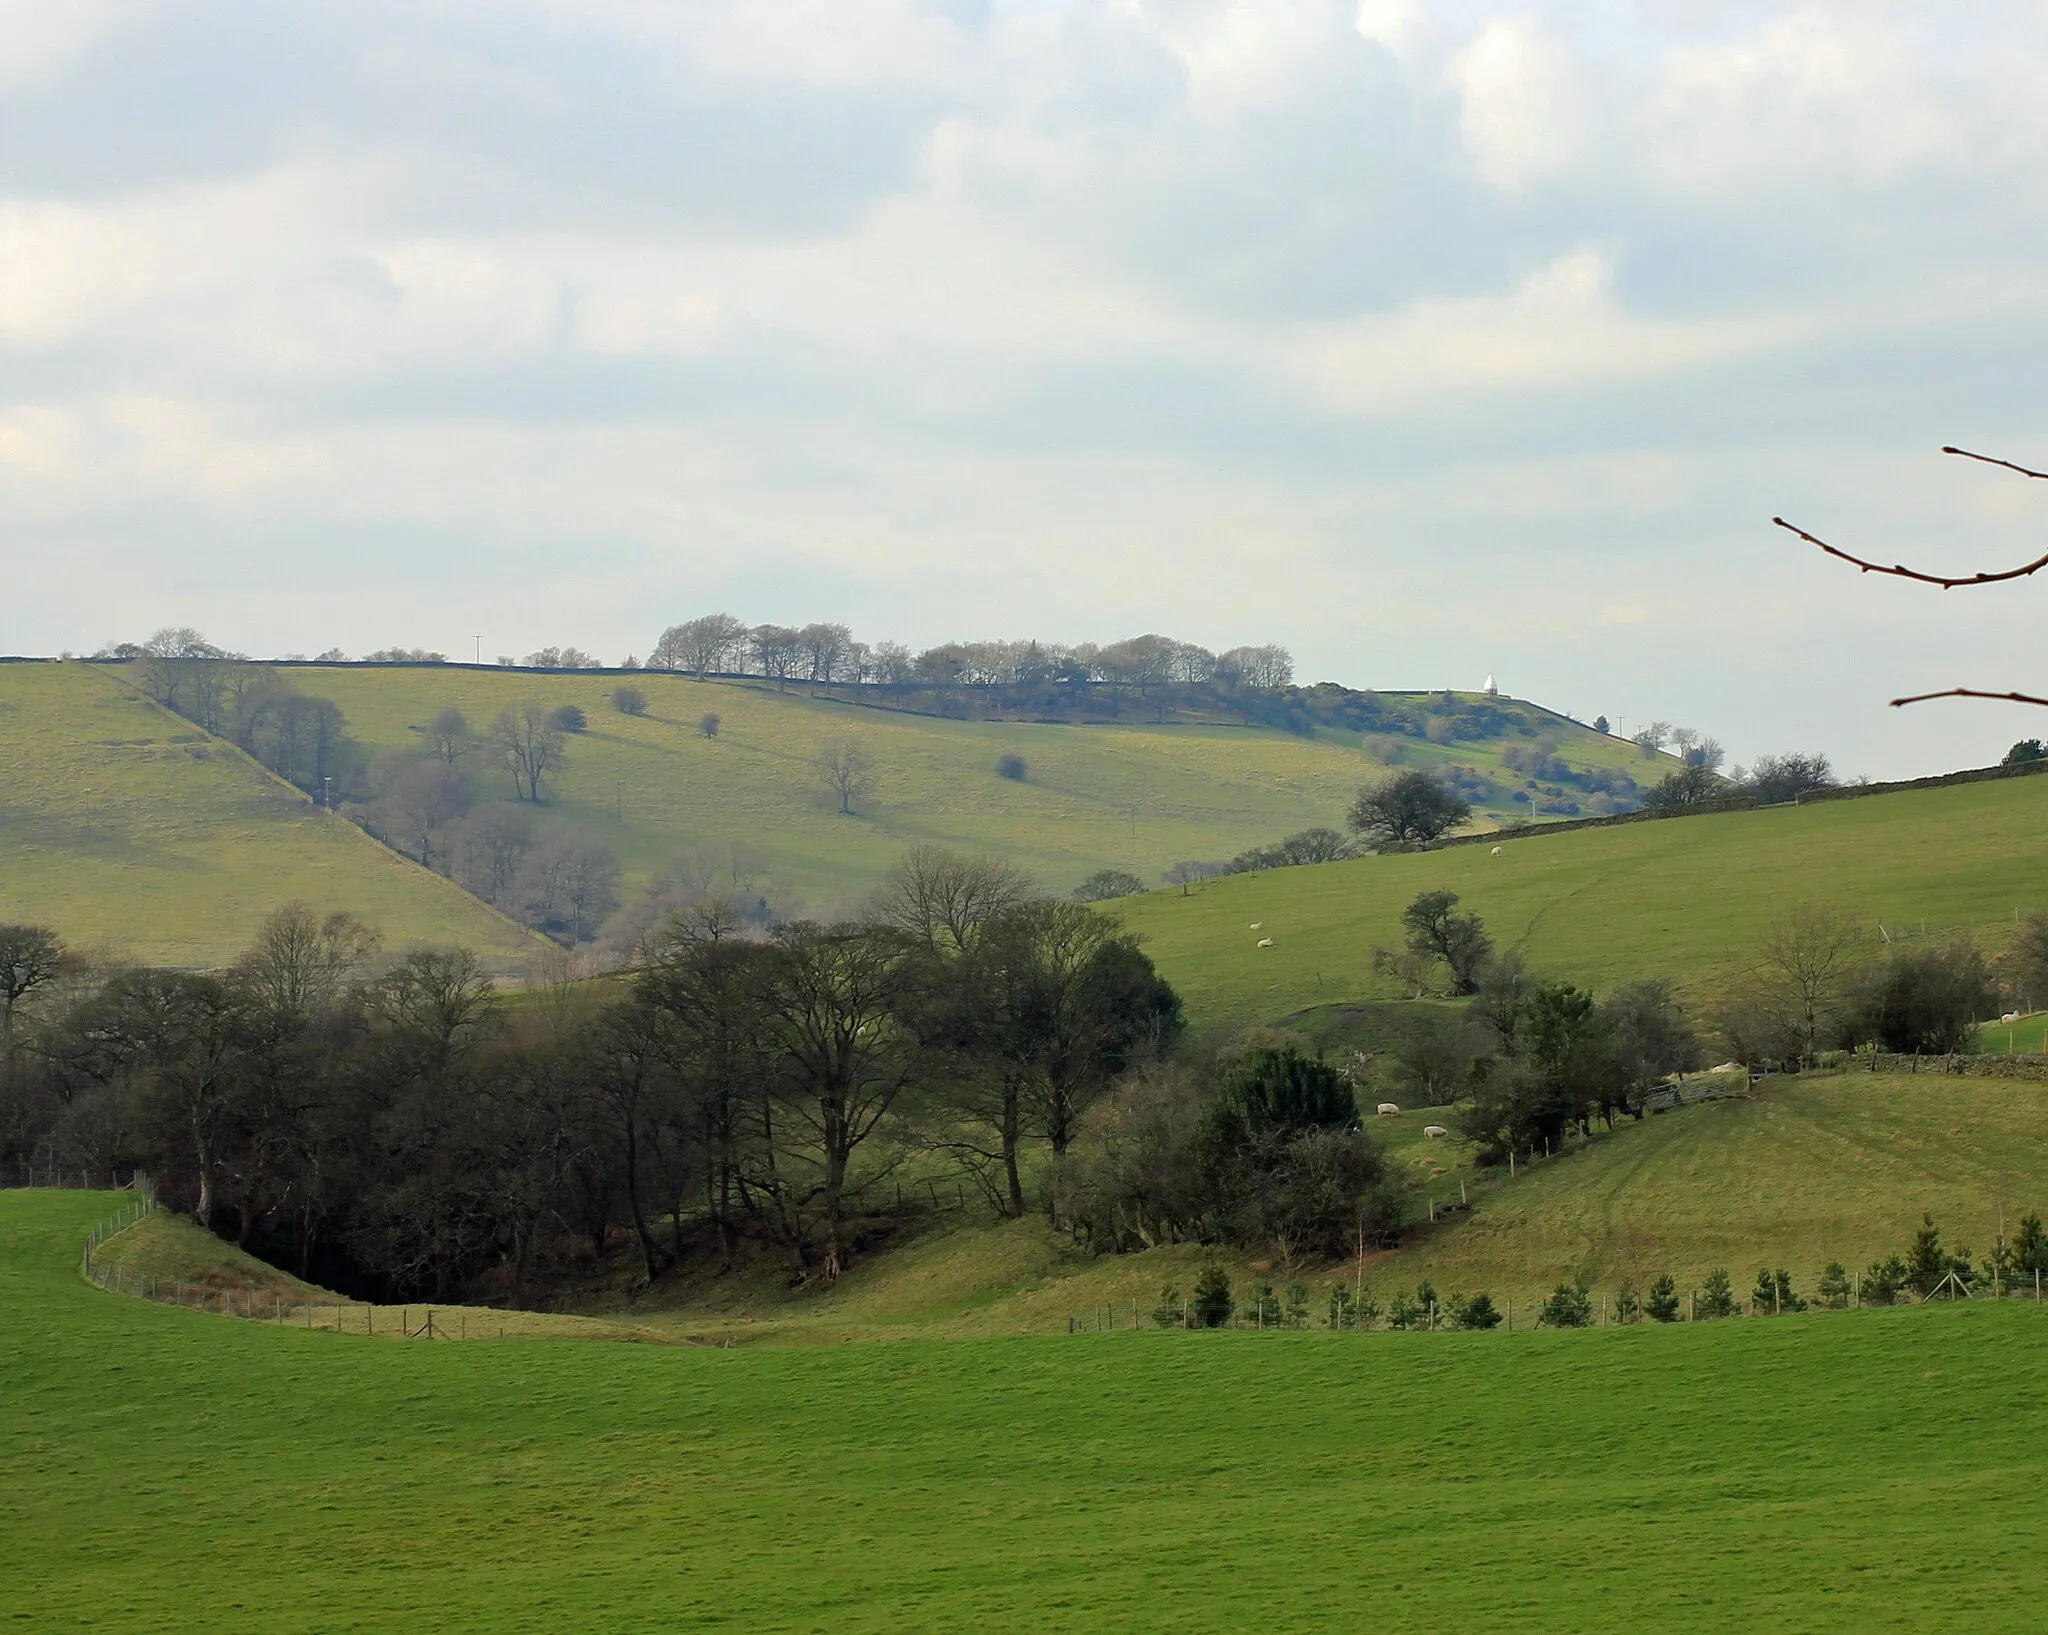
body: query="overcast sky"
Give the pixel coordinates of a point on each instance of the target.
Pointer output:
(1431, 341)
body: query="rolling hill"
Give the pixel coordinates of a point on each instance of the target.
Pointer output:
(1132, 1481)
(1682, 898)
(127, 828)
(125, 823)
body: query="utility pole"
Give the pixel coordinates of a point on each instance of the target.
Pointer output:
(479, 648)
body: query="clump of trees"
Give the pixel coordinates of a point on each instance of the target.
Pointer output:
(1105, 885)
(1410, 809)
(1316, 845)
(397, 1125)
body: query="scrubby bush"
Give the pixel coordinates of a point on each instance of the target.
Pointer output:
(1716, 1296)
(1833, 1287)
(1351, 1309)
(1568, 1307)
(570, 718)
(1106, 884)
(1922, 1000)
(1773, 1293)
(1172, 1311)
(629, 701)
(1628, 1302)
(1417, 1310)
(1663, 1304)
(1011, 767)
(1211, 1307)
(1477, 1312)
(1883, 1283)
(2027, 749)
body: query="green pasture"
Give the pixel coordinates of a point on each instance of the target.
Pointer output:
(1686, 898)
(171, 1470)
(1797, 1173)
(2026, 1037)
(1136, 796)
(130, 830)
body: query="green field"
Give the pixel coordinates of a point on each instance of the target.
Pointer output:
(1137, 797)
(1683, 898)
(169, 1470)
(128, 829)
(2026, 1037)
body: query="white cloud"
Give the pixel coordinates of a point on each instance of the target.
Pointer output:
(1526, 107)
(1247, 319)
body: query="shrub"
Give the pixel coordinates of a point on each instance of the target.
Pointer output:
(570, 718)
(707, 725)
(629, 701)
(2027, 749)
(1212, 1306)
(1349, 1310)
(1833, 1287)
(1882, 1284)
(1172, 1311)
(1924, 1000)
(1628, 1302)
(1663, 1304)
(1716, 1297)
(1478, 1312)
(1297, 1304)
(1011, 767)
(1264, 1306)
(1567, 1307)
(1106, 884)
(1773, 1293)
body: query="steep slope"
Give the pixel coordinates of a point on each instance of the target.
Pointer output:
(123, 826)
(1683, 898)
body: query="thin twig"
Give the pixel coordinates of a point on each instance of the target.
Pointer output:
(1971, 692)
(1900, 571)
(1993, 460)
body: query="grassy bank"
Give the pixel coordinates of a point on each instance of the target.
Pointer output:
(169, 1470)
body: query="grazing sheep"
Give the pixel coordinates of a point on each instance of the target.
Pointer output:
(2010, 1016)
(1389, 1110)
(1265, 942)
(1258, 925)
(1496, 851)
(1435, 1132)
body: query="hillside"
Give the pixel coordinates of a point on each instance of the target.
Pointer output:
(123, 826)
(1682, 898)
(1131, 794)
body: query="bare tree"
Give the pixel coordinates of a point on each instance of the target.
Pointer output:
(301, 961)
(848, 771)
(1805, 962)
(945, 898)
(448, 737)
(31, 956)
(531, 744)
(702, 646)
(422, 801)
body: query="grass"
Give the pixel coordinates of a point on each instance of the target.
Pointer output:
(1800, 1172)
(2026, 1037)
(170, 1470)
(127, 829)
(1686, 899)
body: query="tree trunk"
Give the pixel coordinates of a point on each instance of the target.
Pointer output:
(1012, 1118)
(649, 1254)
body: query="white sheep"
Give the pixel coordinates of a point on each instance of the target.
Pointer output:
(1389, 1110)
(1435, 1132)
(2010, 1016)
(1497, 851)
(1265, 942)
(1258, 925)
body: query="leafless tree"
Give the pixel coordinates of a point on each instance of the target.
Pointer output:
(848, 770)
(1943, 581)
(531, 744)
(301, 961)
(703, 646)
(424, 798)
(31, 957)
(1805, 962)
(447, 736)
(946, 898)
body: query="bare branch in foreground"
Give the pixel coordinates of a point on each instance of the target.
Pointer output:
(1971, 692)
(1900, 571)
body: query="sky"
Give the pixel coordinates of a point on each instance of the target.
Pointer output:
(1429, 341)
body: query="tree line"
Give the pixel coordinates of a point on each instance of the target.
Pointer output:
(398, 1125)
